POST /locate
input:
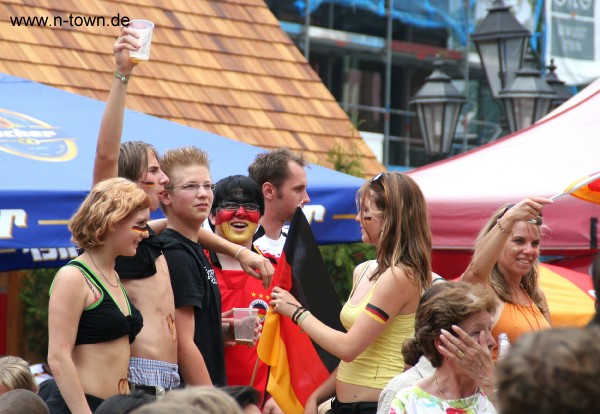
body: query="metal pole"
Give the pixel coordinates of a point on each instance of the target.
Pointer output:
(465, 111)
(306, 30)
(388, 86)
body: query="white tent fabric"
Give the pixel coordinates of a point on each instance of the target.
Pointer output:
(462, 192)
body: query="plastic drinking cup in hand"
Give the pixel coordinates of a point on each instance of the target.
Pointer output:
(144, 28)
(244, 322)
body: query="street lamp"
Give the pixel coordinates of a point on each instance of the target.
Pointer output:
(527, 99)
(501, 43)
(438, 105)
(563, 92)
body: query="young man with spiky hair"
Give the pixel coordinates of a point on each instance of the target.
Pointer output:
(186, 203)
(153, 363)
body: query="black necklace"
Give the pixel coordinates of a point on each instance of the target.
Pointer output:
(102, 273)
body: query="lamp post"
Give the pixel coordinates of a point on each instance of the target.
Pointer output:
(527, 99)
(438, 105)
(563, 92)
(501, 43)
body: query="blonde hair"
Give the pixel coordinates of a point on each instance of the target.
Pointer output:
(15, 374)
(108, 203)
(529, 281)
(183, 157)
(209, 400)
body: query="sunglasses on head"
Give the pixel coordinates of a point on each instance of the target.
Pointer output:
(508, 207)
(377, 178)
(533, 221)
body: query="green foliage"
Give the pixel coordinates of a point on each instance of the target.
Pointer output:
(346, 159)
(341, 259)
(34, 293)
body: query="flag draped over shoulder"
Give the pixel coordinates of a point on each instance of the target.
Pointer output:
(297, 368)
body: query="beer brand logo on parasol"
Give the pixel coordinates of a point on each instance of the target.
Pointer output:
(24, 136)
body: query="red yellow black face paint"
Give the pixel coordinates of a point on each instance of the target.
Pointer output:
(376, 313)
(143, 231)
(237, 226)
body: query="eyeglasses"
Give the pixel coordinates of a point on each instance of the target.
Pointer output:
(377, 178)
(192, 187)
(233, 206)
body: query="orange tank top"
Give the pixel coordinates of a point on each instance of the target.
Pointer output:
(516, 320)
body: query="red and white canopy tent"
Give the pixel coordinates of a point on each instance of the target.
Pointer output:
(462, 192)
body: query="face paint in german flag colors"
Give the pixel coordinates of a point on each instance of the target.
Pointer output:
(376, 313)
(237, 226)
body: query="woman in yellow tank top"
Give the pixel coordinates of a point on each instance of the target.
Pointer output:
(380, 312)
(505, 260)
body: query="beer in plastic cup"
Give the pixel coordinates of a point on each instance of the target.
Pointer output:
(244, 322)
(144, 29)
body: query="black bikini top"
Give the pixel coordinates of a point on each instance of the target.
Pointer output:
(104, 321)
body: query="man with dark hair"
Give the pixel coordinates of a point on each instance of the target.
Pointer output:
(281, 176)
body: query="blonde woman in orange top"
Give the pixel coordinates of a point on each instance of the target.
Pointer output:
(505, 261)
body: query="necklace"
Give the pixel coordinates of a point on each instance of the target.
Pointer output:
(102, 273)
(529, 306)
(458, 405)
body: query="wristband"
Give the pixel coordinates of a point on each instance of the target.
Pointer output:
(239, 251)
(302, 316)
(299, 311)
(123, 78)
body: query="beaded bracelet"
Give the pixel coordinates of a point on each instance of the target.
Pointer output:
(502, 229)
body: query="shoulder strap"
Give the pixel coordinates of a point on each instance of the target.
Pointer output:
(84, 269)
(89, 278)
(362, 273)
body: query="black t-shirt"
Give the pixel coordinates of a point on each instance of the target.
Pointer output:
(143, 264)
(194, 284)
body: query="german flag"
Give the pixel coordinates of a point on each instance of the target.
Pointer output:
(297, 365)
(586, 188)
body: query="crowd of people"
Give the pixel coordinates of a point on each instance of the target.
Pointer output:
(141, 321)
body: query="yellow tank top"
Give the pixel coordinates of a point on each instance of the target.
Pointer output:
(382, 360)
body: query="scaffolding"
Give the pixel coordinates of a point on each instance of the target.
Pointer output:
(455, 17)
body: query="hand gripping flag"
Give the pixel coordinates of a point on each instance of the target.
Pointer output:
(587, 189)
(297, 366)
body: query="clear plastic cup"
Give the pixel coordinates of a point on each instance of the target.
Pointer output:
(244, 322)
(144, 28)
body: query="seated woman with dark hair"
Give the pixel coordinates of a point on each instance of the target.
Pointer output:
(463, 310)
